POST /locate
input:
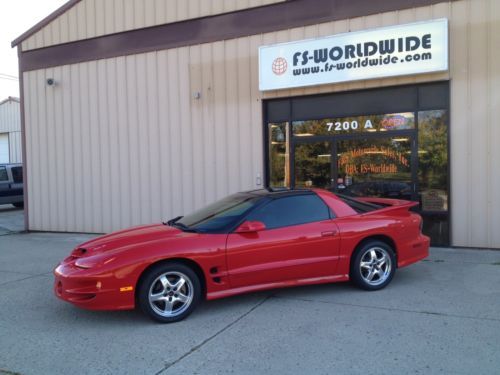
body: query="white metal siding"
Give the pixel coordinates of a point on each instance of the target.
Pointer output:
(122, 141)
(15, 151)
(10, 116)
(4, 148)
(10, 126)
(91, 18)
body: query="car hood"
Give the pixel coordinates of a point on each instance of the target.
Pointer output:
(132, 237)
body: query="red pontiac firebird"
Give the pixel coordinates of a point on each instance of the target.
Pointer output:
(248, 241)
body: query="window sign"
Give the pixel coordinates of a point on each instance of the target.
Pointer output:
(384, 52)
(356, 124)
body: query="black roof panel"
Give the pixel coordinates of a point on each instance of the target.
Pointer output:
(278, 192)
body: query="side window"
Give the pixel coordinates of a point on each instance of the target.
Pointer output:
(3, 174)
(17, 174)
(294, 210)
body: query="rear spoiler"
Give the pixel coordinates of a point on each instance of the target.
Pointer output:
(388, 204)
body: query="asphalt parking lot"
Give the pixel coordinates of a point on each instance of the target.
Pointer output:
(11, 219)
(439, 316)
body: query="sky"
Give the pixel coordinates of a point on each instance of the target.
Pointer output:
(17, 16)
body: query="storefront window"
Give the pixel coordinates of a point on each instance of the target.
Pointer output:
(398, 150)
(312, 165)
(279, 152)
(356, 124)
(433, 173)
(375, 167)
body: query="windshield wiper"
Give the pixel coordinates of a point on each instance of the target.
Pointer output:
(174, 223)
(183, 227)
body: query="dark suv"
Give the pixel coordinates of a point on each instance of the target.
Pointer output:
(11, 184)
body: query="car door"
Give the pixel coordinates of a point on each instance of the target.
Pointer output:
(300, 241)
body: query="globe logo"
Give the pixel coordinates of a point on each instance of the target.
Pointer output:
(279, 66)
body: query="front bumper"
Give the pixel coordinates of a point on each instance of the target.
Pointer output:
(92, 291)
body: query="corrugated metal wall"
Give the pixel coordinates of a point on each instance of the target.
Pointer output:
(122, 141)
(91, 18)
(475, 102)
(15, 150)
(10, 122)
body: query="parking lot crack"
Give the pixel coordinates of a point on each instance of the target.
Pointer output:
(219, 332)
(16, 272)
(25, 278)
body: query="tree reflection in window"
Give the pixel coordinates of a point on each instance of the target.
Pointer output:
(433, 160)
(312, 165)
(279, 151)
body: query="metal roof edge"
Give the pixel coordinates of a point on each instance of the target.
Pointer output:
(40, 25)
(10, 99)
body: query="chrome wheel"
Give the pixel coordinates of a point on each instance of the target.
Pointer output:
(375, 266)
(171, 294)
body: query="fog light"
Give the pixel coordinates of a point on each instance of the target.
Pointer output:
(98, 285)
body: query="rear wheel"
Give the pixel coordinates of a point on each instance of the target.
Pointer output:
(373, 265)
(169, 292)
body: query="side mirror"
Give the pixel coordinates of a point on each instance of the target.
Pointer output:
(251, 227)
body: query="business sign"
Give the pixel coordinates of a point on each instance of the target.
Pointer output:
(384, 52)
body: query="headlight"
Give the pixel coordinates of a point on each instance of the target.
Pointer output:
(93, 261)
(81, 263)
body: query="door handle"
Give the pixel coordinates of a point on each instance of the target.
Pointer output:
(330, 233)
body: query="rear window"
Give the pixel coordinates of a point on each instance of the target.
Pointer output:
(17, 174)
(359, 206)
(3, 174)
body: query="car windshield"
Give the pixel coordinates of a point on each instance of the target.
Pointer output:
(221, 215)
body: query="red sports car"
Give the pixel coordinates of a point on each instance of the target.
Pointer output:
(249, 241)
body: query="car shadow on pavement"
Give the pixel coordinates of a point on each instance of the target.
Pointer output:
(207, 310)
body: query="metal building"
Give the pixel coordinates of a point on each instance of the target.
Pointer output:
(10, 131)
(135, 111)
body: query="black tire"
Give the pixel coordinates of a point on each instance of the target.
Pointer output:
(380, 269)
(164, 295)
(18, 204)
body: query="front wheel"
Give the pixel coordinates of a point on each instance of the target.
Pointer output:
(169, 292)
(373, 265)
